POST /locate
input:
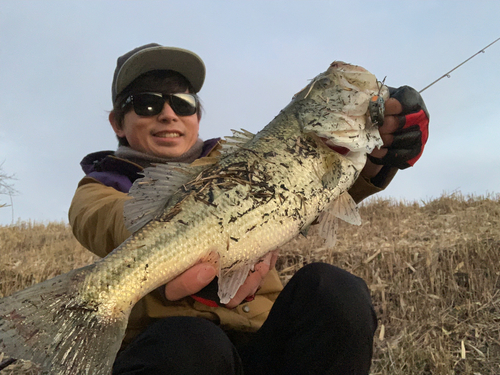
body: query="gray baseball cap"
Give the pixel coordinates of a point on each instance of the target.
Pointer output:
(156, 57)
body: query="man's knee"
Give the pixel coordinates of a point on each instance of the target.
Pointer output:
(341, 291)
(195, 335)
(180, 345)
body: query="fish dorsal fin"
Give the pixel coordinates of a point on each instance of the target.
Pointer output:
(151, 193)
(343, 208)
(238, 139)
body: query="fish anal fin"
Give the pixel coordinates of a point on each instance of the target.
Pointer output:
(305, 230)
(343, 208)
(327, 228)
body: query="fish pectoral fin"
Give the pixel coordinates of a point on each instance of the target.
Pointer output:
(151, 193)
(346, 209)
(230, 281)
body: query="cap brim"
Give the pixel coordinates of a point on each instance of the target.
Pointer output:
(180, 60)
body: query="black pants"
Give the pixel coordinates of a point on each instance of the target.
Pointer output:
(322, 323)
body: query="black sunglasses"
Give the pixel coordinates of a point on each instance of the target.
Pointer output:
(151, 103)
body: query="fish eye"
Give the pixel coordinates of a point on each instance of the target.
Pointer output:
(323, 82)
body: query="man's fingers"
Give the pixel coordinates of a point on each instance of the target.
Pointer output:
(254, 279)
(249, 288)
(264, 265)
(200, 275)
(393, 107)
(379, 153)
(390, 125)
(404, 132)
(190, 281)
(387, 139)
(274, 258)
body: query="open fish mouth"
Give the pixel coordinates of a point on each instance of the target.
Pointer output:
(338, 149)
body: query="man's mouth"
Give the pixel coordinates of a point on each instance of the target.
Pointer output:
(167, 134)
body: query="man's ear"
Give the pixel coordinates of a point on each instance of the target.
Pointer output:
(114, 124)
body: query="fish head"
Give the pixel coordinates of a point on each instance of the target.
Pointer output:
(334, 107)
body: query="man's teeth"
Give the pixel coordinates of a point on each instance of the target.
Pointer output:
(167, 135)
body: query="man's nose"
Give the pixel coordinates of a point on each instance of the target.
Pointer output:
(167, 113)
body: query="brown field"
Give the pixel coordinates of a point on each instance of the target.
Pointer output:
(433, 269)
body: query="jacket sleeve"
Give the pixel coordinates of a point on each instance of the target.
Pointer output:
(364, 187)
(96, 216)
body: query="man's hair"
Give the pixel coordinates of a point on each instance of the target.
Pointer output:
(162, 81)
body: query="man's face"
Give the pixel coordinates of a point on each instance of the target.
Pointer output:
(164, 135)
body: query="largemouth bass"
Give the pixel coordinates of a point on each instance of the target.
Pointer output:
(262, 191)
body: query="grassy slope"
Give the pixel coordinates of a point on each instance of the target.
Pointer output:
(433, 270)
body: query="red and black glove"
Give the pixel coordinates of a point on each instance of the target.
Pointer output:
(412, 133)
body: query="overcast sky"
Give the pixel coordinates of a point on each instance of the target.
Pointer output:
(57, 60)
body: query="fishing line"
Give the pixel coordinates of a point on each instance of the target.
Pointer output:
(377, 103)
(458, 66)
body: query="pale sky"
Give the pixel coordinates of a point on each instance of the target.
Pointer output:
(57, 60)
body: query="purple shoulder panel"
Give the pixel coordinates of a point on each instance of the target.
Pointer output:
(112, 179)
(208, 146)
(119, 173)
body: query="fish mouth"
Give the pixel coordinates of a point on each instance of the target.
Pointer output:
(338, 149)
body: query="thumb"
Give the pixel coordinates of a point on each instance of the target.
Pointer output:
(190, 282)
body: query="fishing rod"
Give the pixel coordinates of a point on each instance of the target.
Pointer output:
(458, 66)
(377, 107)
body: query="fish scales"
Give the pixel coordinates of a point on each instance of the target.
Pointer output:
(257, 196)
(165, 247)
(238, 210)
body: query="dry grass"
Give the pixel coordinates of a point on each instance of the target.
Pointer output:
(434, 273)
(433, 270)
(31, 253)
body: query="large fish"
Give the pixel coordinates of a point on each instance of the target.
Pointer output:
(258, 194)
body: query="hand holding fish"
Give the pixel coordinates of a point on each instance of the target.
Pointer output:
(200, 275)
(404, 132)
(190, 282)
(254, 279)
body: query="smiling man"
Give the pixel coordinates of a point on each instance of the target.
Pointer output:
(154, 128)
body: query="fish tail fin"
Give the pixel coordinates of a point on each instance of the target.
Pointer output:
(47, 325)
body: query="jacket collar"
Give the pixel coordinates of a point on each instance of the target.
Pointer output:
(106, 161)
